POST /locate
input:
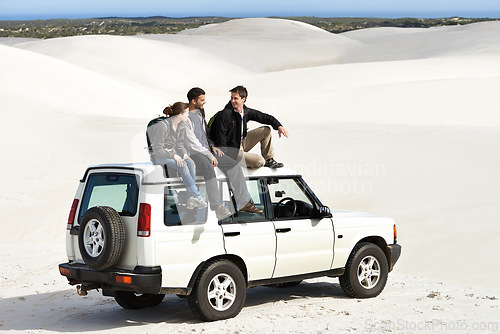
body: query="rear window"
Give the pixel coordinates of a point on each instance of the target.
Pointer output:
(119, 191)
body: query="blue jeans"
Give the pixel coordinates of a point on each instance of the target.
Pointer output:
(187, 171)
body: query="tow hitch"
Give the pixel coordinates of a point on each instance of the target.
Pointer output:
(82, 289)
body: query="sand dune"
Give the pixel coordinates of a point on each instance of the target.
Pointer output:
(398, 122)
(251, 44)
(161, 67)
(383, 44)
(34, 82)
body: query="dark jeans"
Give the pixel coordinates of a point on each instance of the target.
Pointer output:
(205, 168)
(233, 171)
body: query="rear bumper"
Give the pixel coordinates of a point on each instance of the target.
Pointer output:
(395, 250)
(143, 279)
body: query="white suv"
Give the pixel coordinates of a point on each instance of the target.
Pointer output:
(130, 234)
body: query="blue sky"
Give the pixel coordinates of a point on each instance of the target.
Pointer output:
(46, 9)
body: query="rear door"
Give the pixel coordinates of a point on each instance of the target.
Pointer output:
(120, 191)
(304, 242)
(251, 236)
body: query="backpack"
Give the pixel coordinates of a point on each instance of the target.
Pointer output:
(212, 119)
(151, 123)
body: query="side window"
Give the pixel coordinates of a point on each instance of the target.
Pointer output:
(175, 210)
(255, 192)
(289, 199)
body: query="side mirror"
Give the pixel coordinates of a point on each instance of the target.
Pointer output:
(324, 212)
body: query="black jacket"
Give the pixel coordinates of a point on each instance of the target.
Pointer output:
(225, 131)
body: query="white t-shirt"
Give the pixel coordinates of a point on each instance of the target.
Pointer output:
(242, 122)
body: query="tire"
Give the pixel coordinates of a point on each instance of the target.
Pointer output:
(366, 272)
(101, 237)
(136, 301)
(219, 291)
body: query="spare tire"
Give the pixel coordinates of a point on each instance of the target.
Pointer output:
(101, 237)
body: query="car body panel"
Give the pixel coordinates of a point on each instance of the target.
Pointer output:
(267, 248)
(255, 243)
(303, 246)
(351, 227)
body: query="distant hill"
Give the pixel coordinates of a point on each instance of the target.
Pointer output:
(166, 25)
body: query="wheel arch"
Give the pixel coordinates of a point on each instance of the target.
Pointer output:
(380, 242)
(238, 261)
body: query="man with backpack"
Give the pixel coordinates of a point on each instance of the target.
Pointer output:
(229, 132)
(206, 156)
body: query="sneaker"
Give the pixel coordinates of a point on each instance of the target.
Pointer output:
(222, 212)
(271, 163)
(201, 202)
(196, 202)
(250, 208)
(192, 203)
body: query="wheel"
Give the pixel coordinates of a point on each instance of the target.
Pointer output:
(284, 285)
(281, 203)
(135, 301)
(366, 272)
(219, 291)
(101, 237)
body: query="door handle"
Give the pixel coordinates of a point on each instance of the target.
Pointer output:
(283, 230)
(231, 234)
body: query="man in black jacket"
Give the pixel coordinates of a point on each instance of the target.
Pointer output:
(229, 132)
(207, 156)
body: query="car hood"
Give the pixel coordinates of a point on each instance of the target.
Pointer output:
(360, 218)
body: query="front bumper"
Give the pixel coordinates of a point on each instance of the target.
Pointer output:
(395, 251)
(143, 279)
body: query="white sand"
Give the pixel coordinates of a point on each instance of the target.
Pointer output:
(398, 122)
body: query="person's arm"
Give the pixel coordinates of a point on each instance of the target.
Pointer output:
(207, 131)
(258, 116)
(157, 134)
(263, 118)
(192, 143)
(180, 149)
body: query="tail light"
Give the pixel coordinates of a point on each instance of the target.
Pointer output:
(395, 234)
(72, 214)
(123, 279)
(144, 223)
(64, 271)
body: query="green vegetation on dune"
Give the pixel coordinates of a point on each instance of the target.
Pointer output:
(165, 25)
(102, 26)
(343, 24)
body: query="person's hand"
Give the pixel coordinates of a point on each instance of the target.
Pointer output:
(186, 157)
(180, 162)
(214, 161)
(217, 151)
(282, 131)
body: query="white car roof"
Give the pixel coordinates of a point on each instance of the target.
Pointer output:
(155, 173)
